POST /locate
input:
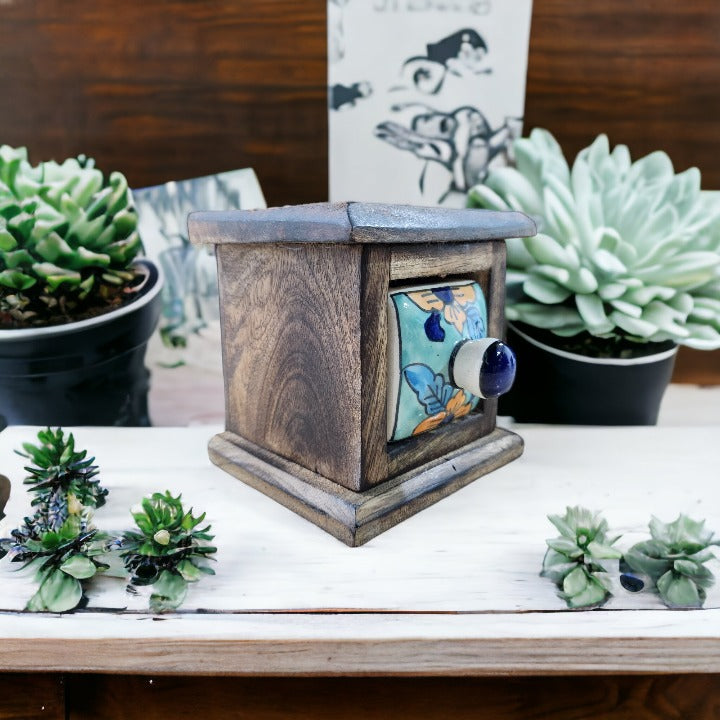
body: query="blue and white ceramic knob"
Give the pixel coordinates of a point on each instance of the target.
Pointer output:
(484, 368)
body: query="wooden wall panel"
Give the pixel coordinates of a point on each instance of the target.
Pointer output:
(175, 89)
(32, 697)
(694, 697)
(167, 90)
(644, 72)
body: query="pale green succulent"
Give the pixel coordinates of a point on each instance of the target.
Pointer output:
(624, 249)
(674, 559)
(65, 235)
(575, 561)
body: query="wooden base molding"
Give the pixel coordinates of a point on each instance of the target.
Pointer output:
(356, 517)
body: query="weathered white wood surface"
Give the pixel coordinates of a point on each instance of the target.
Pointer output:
(367, 644)
(454, 589)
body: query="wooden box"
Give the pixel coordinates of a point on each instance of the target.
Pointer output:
(303, 298)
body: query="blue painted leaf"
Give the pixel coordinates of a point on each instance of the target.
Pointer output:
(433, 329)
(431, 389)
(475, 324)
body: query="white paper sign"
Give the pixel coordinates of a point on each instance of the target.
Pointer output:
(424, 95)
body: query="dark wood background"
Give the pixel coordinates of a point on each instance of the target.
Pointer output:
(175, 89)
(97, 697)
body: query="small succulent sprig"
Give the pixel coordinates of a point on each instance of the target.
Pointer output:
(674, 559)
(58, 540)
(168, 552)
(63, 560)
(61, 476)
(575, 561)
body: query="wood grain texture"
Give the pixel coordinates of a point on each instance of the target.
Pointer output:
(291, 344)
(610, 698)
(173, 90)
(439, 260)
(357, 222)
(32, 697)
(645, 73)
(334, 644)
(375, 279)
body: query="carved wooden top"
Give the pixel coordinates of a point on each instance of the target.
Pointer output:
(354, 222)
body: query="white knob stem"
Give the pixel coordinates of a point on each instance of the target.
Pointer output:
(467, 363)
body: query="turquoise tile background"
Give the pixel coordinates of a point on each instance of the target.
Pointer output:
(417, 349)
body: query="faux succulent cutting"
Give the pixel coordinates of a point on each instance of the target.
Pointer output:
(67, 238)
(168, 550)
(674, 559)
(61, 475)
(66, 550)
(628, 249)
(59, 541)
(575, 561)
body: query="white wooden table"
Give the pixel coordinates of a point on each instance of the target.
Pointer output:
(454, 590)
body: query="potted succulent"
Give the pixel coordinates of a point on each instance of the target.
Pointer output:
(76, 305)
(625, 267)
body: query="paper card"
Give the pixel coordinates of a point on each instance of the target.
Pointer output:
(184, 356)
(190, 293)
(424, 96)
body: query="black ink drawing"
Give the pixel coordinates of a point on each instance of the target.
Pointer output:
(461, 141)
(342, 97)
(463, 53)
(336, 30)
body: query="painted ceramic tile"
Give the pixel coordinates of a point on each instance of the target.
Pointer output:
(424, 95)
(425, 323)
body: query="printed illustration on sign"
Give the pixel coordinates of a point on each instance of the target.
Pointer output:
(461, 141)
(462, 53)
(441, 80)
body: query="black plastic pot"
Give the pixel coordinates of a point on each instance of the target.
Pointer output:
(90, 372)
(554, 386)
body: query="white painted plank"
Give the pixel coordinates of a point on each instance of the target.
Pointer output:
(593, 642)
(479, 550)
(477, 553)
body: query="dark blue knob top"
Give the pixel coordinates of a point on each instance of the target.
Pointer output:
(497, 371)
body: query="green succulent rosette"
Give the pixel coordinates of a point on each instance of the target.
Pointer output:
(66, 236)
(627, 249)
(61, 474)
(168, 550)
(675, 560)
(63, 560)
(59, 541)
(576, 560)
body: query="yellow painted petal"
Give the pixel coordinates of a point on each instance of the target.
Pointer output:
(456, 403)
(430, 423)
(426, 299)
(464, 410)
(464, 295)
